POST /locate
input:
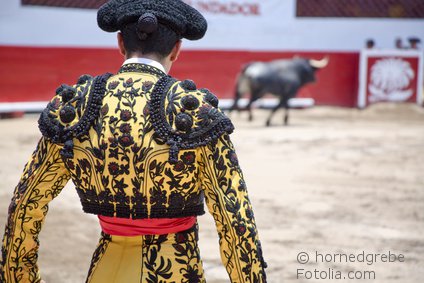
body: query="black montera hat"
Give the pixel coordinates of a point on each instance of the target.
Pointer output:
(186, 21)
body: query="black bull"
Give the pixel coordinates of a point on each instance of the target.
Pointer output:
(282, 78)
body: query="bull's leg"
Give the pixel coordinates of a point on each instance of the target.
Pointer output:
(235, 106)
(237, 95)
(254, 97)
(249, 108)
(286, 114)
(282, 103)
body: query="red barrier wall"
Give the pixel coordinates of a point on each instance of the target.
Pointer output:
(33, 73)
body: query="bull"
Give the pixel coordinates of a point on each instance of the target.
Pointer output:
(282, 78)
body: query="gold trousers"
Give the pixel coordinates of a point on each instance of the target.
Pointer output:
(147, 259)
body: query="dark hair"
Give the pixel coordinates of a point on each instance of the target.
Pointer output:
(160, 42)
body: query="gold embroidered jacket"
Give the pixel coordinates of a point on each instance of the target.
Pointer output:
(138, 144)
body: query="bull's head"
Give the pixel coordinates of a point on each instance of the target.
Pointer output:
(310, 66)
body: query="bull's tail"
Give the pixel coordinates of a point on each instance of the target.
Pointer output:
(241, 87)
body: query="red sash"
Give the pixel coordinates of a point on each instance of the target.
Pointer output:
(136, 227)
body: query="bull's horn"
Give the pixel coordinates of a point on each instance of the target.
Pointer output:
(319, 63)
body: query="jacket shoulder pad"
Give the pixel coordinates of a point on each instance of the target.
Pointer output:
(186, 117)
(72, 111)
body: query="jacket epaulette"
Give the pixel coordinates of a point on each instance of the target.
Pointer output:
(186, 117)
(72, 111)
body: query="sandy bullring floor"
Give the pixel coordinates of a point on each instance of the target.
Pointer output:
(335, 181)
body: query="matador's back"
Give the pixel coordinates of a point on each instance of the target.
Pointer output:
(137, 145)
(132, 141)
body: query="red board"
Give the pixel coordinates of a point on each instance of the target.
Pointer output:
(411, 81)
(33, 73)
(390, 76)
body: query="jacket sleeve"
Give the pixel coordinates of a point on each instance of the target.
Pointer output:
(43, 178)
(228, 202)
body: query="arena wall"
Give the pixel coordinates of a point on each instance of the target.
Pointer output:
(42, 47)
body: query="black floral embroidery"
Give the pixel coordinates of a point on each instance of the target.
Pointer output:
(212, 123)
(188, 256)
(230, 206)
(147, 86)
(125, 115)
(156, 272)
(126, 148)
(27, 210)
(98, 254)
(128, 158)
(188, 157)
(125, 128)
(125, 140)
(58, 133)
(166, 258)
(112, 85)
